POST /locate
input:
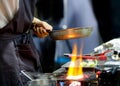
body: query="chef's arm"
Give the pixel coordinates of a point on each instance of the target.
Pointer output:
(41, 28)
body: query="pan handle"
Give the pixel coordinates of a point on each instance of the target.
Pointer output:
(27, 75)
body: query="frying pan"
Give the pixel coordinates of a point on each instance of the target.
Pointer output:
(69, 33)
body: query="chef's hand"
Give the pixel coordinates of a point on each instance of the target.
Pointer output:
(41, 28)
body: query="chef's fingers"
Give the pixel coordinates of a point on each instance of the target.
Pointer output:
(45, 26)
(41, 32)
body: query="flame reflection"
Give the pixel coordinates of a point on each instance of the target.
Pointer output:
(75, 83)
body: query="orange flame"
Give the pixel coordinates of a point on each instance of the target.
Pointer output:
(75, 70)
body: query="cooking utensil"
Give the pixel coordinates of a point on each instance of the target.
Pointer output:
(92, 57)
(70, 33)
(65, 34)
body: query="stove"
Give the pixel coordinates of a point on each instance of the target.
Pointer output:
(59, 79)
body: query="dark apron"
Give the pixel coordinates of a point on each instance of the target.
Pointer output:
(17, 51)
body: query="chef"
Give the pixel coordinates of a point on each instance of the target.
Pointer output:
(17, 51)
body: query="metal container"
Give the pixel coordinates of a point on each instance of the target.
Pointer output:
(42, 82)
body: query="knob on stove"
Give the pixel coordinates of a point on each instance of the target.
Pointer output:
(116, 55)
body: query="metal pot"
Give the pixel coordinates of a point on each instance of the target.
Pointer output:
(70, 33)
(42, 82)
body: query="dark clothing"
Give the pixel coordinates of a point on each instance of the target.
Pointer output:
(17, 51)
(107, 13)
